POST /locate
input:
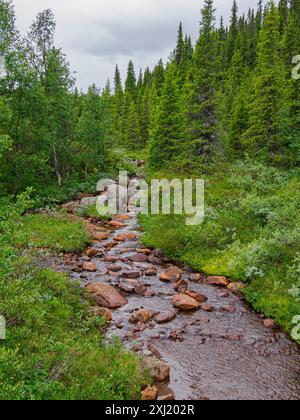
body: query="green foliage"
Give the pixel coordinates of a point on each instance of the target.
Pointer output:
(53, 348)
(250, 233)
(54, 231)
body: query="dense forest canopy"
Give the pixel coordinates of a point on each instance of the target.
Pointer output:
(229, 95)
(226, 109)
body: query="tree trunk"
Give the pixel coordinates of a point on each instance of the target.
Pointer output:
(56, 166)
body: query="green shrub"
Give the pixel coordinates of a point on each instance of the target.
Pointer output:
(251, 232)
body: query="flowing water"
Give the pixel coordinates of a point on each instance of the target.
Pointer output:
(216, 355)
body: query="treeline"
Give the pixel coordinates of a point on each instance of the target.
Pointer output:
(228, 96)
(49, 132)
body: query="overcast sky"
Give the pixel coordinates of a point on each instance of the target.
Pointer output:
(98, 34)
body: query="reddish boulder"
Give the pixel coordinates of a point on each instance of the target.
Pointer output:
(198, 296)
(89, 267)
(116, 225)
(100, 236)
(229, 308)
(165, 317)
(139, 258)
(91, 252)
(236, 287)
(106, 296)
(131, 274)
(207, 308)
(160, 371)
(185, 302)
(173, 273)
(269, 323)
(126, 237)
(196, 277)
(150, 393)
(217, 281)
(142, 315)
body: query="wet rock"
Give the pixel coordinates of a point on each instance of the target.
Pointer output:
(100, 236)
(269, 323)
(86, 258)
(140, 327)
(150, 393)
(234, 337)
(126, 237)
(119, 325)
(77, 269)
(131, 274)
(224, 295)
(122, 217)
(139, 258)
(195, 277)
(116, 225)
(128, 285)
(160, 371)
(110, 259)
(106, 296)
(165, 317)
(174, 336)
(91, 267)
(70, 207)
(229, 308)
(145, 251)
(154, 260)
(236, 288)
(133, 286)
(205, 320)
(140, 289)
(115, 268)
(185, 302)
(151, 273)
(206, 307)
(217, 281)
(104, 313)
(141, 315)
(168, 397)
(91, 252)
(172, 274)
(180, 286)
(150, 293)
(199, 297)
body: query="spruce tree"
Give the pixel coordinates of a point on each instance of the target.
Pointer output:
(117, 106)
(131, 83)
(269, 104)
(204, 98)
(233, 32)
(291, 48)
(132, 132)
(179, 51)
(166, 133)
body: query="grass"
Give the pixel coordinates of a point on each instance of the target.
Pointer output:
(251, 233)
(56, 231)
(92, 212)
(54, 347)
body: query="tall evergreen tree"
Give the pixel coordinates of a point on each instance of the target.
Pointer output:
(166, 133)
(270, 101)
(203, 106)
(179, 51)
(131, 83)
(233, 32)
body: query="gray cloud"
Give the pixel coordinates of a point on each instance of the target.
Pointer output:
(97, 34)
